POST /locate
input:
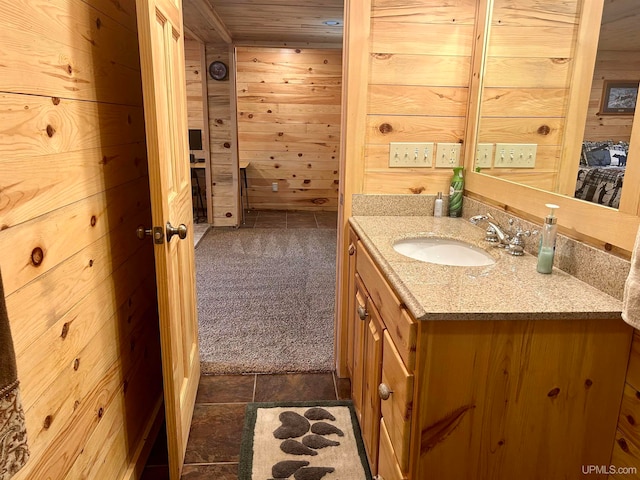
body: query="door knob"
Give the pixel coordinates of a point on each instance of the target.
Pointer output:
(180, 230)
(362, 312)
(384, 391)
(155, 232)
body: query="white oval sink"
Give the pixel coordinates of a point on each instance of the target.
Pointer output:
(443, 251)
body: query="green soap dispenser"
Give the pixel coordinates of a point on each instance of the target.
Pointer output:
(548, 241)
(455, 193)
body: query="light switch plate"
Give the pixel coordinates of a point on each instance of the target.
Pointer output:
(515, 155)
(484, 155)
(447, 155)
(411, 154)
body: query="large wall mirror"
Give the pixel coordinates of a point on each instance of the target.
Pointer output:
(556, 112)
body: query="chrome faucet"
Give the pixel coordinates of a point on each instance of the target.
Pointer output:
(494, 233)
(513, 241)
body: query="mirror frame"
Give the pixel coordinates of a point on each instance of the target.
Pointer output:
(603, 227)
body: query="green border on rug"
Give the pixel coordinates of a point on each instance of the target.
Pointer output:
(245, 465)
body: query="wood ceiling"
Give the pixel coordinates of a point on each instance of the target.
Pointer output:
(290, 22)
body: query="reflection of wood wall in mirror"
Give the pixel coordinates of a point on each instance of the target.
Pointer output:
(527, 83)
(595, 224)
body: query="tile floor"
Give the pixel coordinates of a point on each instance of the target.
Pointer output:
(213, 449)
(289, 219)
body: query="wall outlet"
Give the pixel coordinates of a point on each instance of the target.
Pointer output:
(406, 154)
(515, 155)
(274, 187)
(448, 155)
(484, 155)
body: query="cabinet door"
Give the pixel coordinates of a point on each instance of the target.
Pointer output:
(372, 376)
(396, 409)
(388, 468)
(358, 319)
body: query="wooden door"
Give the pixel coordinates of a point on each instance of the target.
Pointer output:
(160, 34)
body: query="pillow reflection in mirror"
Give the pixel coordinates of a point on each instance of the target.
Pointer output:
(599, 157)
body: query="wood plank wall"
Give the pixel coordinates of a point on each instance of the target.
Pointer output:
(194, 76)
(73, 188)
(419, 74)
(197, 118)
(289, 126)
(610, 65)
(222, 142)
(527, 82)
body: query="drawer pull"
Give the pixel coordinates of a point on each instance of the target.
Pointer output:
(362, 312)
(384, 391)
(352, 249)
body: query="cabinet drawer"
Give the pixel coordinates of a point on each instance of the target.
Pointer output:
(402, 327)
(388, 468)
(396, 409)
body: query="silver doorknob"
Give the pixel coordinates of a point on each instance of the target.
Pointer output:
(362, 312)
(180, 230)
(384, 391)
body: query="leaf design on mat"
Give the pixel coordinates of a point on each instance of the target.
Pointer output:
(317, 413)
(293, 425)
(285, 468)
(324, 428)
(293, 447)
(317, 442)
(312, 473)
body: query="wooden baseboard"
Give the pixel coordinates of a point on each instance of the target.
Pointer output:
(145, 444)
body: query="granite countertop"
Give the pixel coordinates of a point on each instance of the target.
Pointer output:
(511, 289)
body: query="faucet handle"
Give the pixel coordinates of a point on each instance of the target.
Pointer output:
(517, 243)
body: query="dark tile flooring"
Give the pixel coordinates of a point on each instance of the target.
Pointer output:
(289, 219)
(213, 449)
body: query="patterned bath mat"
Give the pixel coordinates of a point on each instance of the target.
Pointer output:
(302, 441)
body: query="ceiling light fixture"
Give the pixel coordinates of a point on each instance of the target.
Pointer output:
(332, 23)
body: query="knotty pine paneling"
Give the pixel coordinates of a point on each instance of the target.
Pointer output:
(73, 188)
(610, 65)
(289, 126)
(198, 112)
(222, 142)
(419, 73)
(194, 77)
(527, 83)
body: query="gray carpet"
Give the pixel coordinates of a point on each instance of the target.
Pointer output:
(266, 300)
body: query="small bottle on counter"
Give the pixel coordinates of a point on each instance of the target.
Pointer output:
(455, 193)
(437, 208)
(547, 248)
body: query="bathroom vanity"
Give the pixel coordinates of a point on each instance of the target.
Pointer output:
(484, 372)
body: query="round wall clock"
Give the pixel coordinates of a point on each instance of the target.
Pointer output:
(218, 70)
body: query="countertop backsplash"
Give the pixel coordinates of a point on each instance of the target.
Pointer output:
(600, 269)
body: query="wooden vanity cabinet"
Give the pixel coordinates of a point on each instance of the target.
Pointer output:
(382, 339)
(482, 399)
